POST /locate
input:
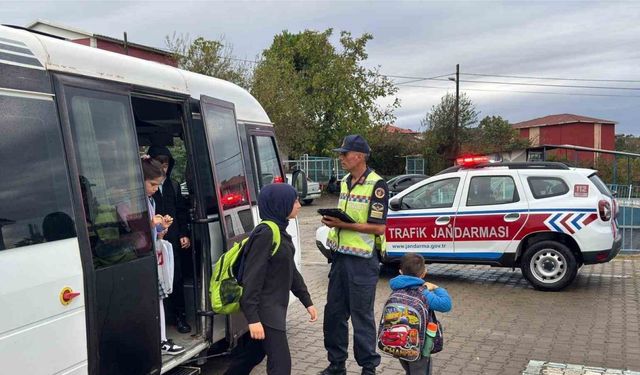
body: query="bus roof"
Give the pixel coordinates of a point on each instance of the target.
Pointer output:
(63, 56)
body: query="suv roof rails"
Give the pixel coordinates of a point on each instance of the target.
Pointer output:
(510, 165)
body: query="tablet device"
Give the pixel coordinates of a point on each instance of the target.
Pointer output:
(336, 212)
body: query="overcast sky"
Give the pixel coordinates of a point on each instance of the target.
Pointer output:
(572, 39)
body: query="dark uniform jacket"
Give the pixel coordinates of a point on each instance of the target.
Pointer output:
(170, 201)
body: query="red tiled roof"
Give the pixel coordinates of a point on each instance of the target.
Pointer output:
(395, 129)
(564, 118)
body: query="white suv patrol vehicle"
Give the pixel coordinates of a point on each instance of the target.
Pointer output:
(546, 218)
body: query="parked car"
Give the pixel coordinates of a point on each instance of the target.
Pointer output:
(546, 218)
(399, 183)
(313, 190)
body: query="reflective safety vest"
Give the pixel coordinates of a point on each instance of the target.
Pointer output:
(356, 204)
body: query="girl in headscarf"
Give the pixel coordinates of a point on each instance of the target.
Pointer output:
(267, 281)
(153, 178)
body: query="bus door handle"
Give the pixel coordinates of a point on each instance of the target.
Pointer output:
(207, 220)
(509, 218)
(443, 220)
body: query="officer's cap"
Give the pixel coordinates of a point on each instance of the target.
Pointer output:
(354, 142)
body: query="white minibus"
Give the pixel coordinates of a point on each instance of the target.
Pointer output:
(78, 287)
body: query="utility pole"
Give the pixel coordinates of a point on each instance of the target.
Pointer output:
(455, 149)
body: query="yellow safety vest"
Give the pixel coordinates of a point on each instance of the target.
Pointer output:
(356, 204)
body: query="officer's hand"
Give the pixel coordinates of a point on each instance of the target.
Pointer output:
(257, 331)
(332, 222)
(313, 313)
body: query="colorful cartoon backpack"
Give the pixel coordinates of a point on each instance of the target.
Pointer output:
(403, 326)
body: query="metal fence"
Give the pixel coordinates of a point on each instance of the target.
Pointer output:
(317, 168)
(414, 165)
(628, 197)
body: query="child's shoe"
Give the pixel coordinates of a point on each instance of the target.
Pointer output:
(168, 347)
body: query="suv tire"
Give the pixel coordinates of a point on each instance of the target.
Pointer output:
(549, 265)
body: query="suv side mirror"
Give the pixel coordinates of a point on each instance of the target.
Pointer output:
(395, 204)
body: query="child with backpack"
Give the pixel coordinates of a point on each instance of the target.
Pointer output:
(409, 313)
(267, 273)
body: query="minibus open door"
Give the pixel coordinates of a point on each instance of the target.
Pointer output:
(112, 218)
(231, 219)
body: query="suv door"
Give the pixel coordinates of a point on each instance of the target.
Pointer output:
(421, 219)
(492, 211)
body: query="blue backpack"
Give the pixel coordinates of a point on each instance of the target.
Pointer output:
(403, 325)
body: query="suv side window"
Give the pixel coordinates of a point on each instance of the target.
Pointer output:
(547, 187)
(437, 194)
(490, 190)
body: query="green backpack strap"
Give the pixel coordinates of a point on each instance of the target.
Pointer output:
(276, 234)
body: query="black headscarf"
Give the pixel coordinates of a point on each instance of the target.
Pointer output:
(275, 203)
(154, 151)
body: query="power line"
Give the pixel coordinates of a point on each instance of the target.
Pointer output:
(418, 78)
(550, 85)
(552, 78)
(530, 92)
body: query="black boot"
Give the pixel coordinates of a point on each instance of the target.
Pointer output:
(368, 371)
(181, 324)
(334, 369)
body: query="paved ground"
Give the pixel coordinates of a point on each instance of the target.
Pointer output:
(499, 324)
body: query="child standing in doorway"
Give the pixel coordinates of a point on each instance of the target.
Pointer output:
(154, 177)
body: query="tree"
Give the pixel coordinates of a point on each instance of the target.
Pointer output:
(388, 152)
(628, 143)
(495, 134)
(315, 93)
(209, 57)
(443, 138)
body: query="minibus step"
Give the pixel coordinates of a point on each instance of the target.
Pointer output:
(184, 370)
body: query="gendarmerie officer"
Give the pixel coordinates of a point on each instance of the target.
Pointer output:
(355, 265)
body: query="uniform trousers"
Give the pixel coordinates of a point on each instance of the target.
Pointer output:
(275, 346)
(351, 294)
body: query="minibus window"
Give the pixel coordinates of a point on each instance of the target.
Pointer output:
(268, 164)
(246, 219)
(35, 198)
(113, 194)
(229, 169)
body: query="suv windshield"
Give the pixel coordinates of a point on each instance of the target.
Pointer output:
(600, 185)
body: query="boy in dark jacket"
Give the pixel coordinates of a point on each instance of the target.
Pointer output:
(412, 272)
(169, 201)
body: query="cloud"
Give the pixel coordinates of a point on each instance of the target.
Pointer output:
(548, 39)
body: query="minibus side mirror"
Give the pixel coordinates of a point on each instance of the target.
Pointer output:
(299, 182)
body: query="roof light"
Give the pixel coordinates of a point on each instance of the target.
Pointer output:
(471, 161)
